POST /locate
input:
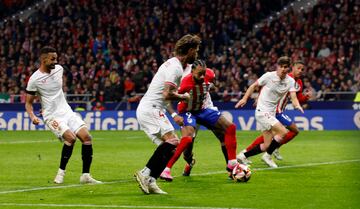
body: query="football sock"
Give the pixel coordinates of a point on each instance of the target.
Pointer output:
(254, 151)
(184, 143)
(230, 141)
(65, 155)
(273, 145)
(288, 137)
(160, 158)
(86, 152)
(257, 141)
(188, 154)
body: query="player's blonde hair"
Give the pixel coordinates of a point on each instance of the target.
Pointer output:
(185, 43)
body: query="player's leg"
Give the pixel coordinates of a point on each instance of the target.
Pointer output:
(279, 132)
(63, 132)
(187, 133)
(157, 126)
(86, 155)
(293, 131)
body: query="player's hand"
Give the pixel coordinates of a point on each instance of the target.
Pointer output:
(36, 120)
(186, 96)
(241, 103)
(179, 120)
(299, 108)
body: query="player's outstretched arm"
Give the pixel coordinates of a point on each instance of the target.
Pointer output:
(295, 101)
(170, 93)
(177, 118)
(248, 93)
(29, 109)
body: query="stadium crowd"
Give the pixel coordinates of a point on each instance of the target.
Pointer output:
(112, 49)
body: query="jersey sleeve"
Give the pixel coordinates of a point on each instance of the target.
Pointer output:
(210, 75)
(185, 84)
(292, 85)
(31, 87)
(263, 79)
(301, 97)
(173, 76)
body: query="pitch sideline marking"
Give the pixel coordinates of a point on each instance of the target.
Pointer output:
(203, 174)
(110, 206)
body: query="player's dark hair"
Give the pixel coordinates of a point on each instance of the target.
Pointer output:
(285, 60)
(47, 49)
(299, 62)
(197, 63)
(185, 43)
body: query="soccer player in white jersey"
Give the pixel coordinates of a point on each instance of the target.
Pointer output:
(274, 85)
(152, 108)
(47, 83)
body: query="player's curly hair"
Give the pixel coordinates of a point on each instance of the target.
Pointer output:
(185, 43)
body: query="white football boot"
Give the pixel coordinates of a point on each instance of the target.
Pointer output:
(242, 159)
(86, 178)
(143, 181)
(59, 178)
(154, 188)
(268, 160)
(277, 155)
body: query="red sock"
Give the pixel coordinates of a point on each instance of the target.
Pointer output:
(184, 143)
(257, 141)
(230, 141)
(288, 137)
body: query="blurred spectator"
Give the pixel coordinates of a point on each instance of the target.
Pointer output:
(113, 48)
(98, 106)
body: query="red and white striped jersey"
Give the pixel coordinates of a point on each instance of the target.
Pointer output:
(198, 92)
(299, 89)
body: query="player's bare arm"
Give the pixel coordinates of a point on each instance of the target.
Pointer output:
(170, 93)
(248, 93)
(29, 108)
(177, 118)
(295, 101)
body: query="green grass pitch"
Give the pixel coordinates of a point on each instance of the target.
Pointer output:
(319, 170)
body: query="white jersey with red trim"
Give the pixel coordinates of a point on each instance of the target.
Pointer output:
(169, 72)
(49, 87)
(273, 89)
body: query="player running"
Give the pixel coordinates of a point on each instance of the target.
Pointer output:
(297, 71)
(275, 85)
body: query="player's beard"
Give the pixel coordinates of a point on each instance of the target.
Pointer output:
(50, 66)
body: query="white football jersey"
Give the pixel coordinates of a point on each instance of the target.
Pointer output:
(273, 89)
(169, 72)
(49, 88)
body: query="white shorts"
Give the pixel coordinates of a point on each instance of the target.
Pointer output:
(70, 121)
(265, 120)
(154, 122)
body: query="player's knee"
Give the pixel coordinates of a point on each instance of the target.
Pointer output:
(87, 140)
(69, 138)
(173, 141)
(231, 129)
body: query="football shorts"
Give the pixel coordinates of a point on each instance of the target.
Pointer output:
(265, 120)
(70, 121)
(154, 122)
(206, 117)
(284, 119)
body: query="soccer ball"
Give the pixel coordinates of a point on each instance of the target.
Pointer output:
(241, 173)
